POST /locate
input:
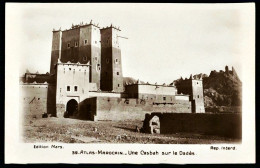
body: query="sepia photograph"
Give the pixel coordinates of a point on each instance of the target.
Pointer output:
(131, 74)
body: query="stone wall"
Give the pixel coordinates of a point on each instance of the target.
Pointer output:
(226, 125)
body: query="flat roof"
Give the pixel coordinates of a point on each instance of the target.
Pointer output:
(151, 85)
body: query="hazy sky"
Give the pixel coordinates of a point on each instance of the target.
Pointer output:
(166, 41)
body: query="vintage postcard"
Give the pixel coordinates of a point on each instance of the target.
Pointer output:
(130, 83)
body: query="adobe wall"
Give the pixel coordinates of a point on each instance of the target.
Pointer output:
(39, 78)
(152, 93)
(108, 108)
(88, 49)
(33, 99)
(56, 50)
(71, 76)
(106, 60)
(107, 94)
(197, 96)
(226, 125)
(71, 52)
(51, 100)
(111, 72)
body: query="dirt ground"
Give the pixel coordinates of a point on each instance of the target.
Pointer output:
(68, 130)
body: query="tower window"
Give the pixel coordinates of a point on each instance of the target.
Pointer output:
(84, 58)
(68, 45)
(68, 88)
(164, 98)
(98, 67)
(117, 73)
(76, 44)
(75, 88)
(118, 85)
(116, 60)
(85, 41)
(198, 96)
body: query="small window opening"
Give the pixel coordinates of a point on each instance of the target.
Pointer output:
(118, 85)
(164, 98)
(117, 73)
(38, 98)
(84, 58)
(75, 88)
(68, 88)
(198, 96)
(85, 41)
(76, 44)
(68, 45)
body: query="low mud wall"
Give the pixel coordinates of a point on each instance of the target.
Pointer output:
(226, 125)
(107, 108)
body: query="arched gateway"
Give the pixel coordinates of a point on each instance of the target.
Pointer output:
(71, 108)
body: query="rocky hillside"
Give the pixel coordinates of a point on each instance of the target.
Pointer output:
(222, 91)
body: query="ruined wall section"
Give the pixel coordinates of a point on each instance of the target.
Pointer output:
(39, 78)
(226, 125)
(72, 83)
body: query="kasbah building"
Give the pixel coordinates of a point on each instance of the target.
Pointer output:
(86, 82)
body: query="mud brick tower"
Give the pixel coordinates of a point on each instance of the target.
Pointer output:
(55, 50)
(111, 72)
(194, 88)
(80, 43)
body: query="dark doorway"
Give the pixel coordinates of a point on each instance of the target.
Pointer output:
(72, 107)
